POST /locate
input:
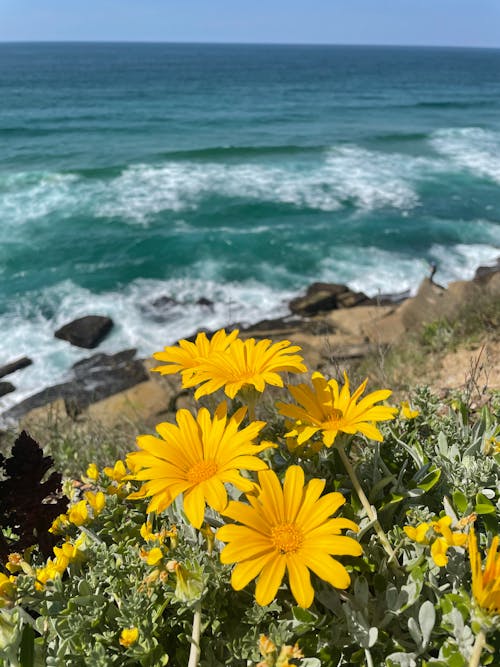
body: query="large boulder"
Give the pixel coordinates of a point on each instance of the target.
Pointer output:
(323, 297)
(13, 366)
(86, 331)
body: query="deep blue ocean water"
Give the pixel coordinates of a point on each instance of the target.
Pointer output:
(236, 173)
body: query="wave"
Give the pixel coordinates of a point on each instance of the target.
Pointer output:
(472, 148)
(345, 176)
(341, 177)
(140, 320)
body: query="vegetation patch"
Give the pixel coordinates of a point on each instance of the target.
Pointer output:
(330, 527)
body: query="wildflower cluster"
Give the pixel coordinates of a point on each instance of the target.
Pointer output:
(314, 536)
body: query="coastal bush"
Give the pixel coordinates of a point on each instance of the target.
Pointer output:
(331, 529)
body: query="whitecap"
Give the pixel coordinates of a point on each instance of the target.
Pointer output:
(471, 148)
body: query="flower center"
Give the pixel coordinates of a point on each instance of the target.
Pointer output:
(334, 418)
(286, 538)
(201, 471)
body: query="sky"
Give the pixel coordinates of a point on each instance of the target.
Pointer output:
(405, 22)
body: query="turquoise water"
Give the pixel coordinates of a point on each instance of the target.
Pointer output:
(240, 174)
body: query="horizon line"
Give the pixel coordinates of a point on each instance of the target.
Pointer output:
(245, 43)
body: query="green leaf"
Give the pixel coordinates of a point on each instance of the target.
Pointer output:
(431, 479)
(483, 505)
(27, 648)
(303, 615)
(460, 501)
(484, 509)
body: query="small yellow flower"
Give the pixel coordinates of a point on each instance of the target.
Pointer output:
(288, 652)
(153, 556)
(59, 524)
(407, 412)
(53, 569)
(266, 646)
(78, 514)
(129, 637)
(93, 472)
(440, 534)
(97, 501)
(147, 532)
(492, 446)
(69, 551)
(327, 409)
(117, 473)
(14, 562)
(7, 589)
(418, 533)
(485, 581)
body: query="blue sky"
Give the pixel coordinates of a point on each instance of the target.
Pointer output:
(426, 22)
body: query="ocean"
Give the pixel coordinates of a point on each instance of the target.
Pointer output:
(139, 179)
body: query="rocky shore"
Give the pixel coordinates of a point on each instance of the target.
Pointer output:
(334, 326)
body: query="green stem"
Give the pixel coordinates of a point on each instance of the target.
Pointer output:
(367, 507)
(194, 653)
(479, 644)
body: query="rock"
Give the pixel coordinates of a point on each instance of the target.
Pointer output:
(15, 366)
(94, 379)
(6, 388)
(86, 331)
(323, 297)
(433, 302)
(203, 301)
(484, 273)
(164, 302)
(392, 298)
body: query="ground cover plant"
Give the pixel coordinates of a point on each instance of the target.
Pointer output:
(328, 527)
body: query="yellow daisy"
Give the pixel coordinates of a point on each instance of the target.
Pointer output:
(246, 363)
(328, 409)
(287, 529)
(196, 457)
(485, 582)
(186, 356)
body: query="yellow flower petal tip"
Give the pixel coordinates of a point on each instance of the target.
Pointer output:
(287, 529)
(186, 356)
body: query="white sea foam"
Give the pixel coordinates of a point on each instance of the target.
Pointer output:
(376, 271)
(471, 148)
(345, 175)
(459, 262)
(373, 271)
(28, 329)
(366, 179)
